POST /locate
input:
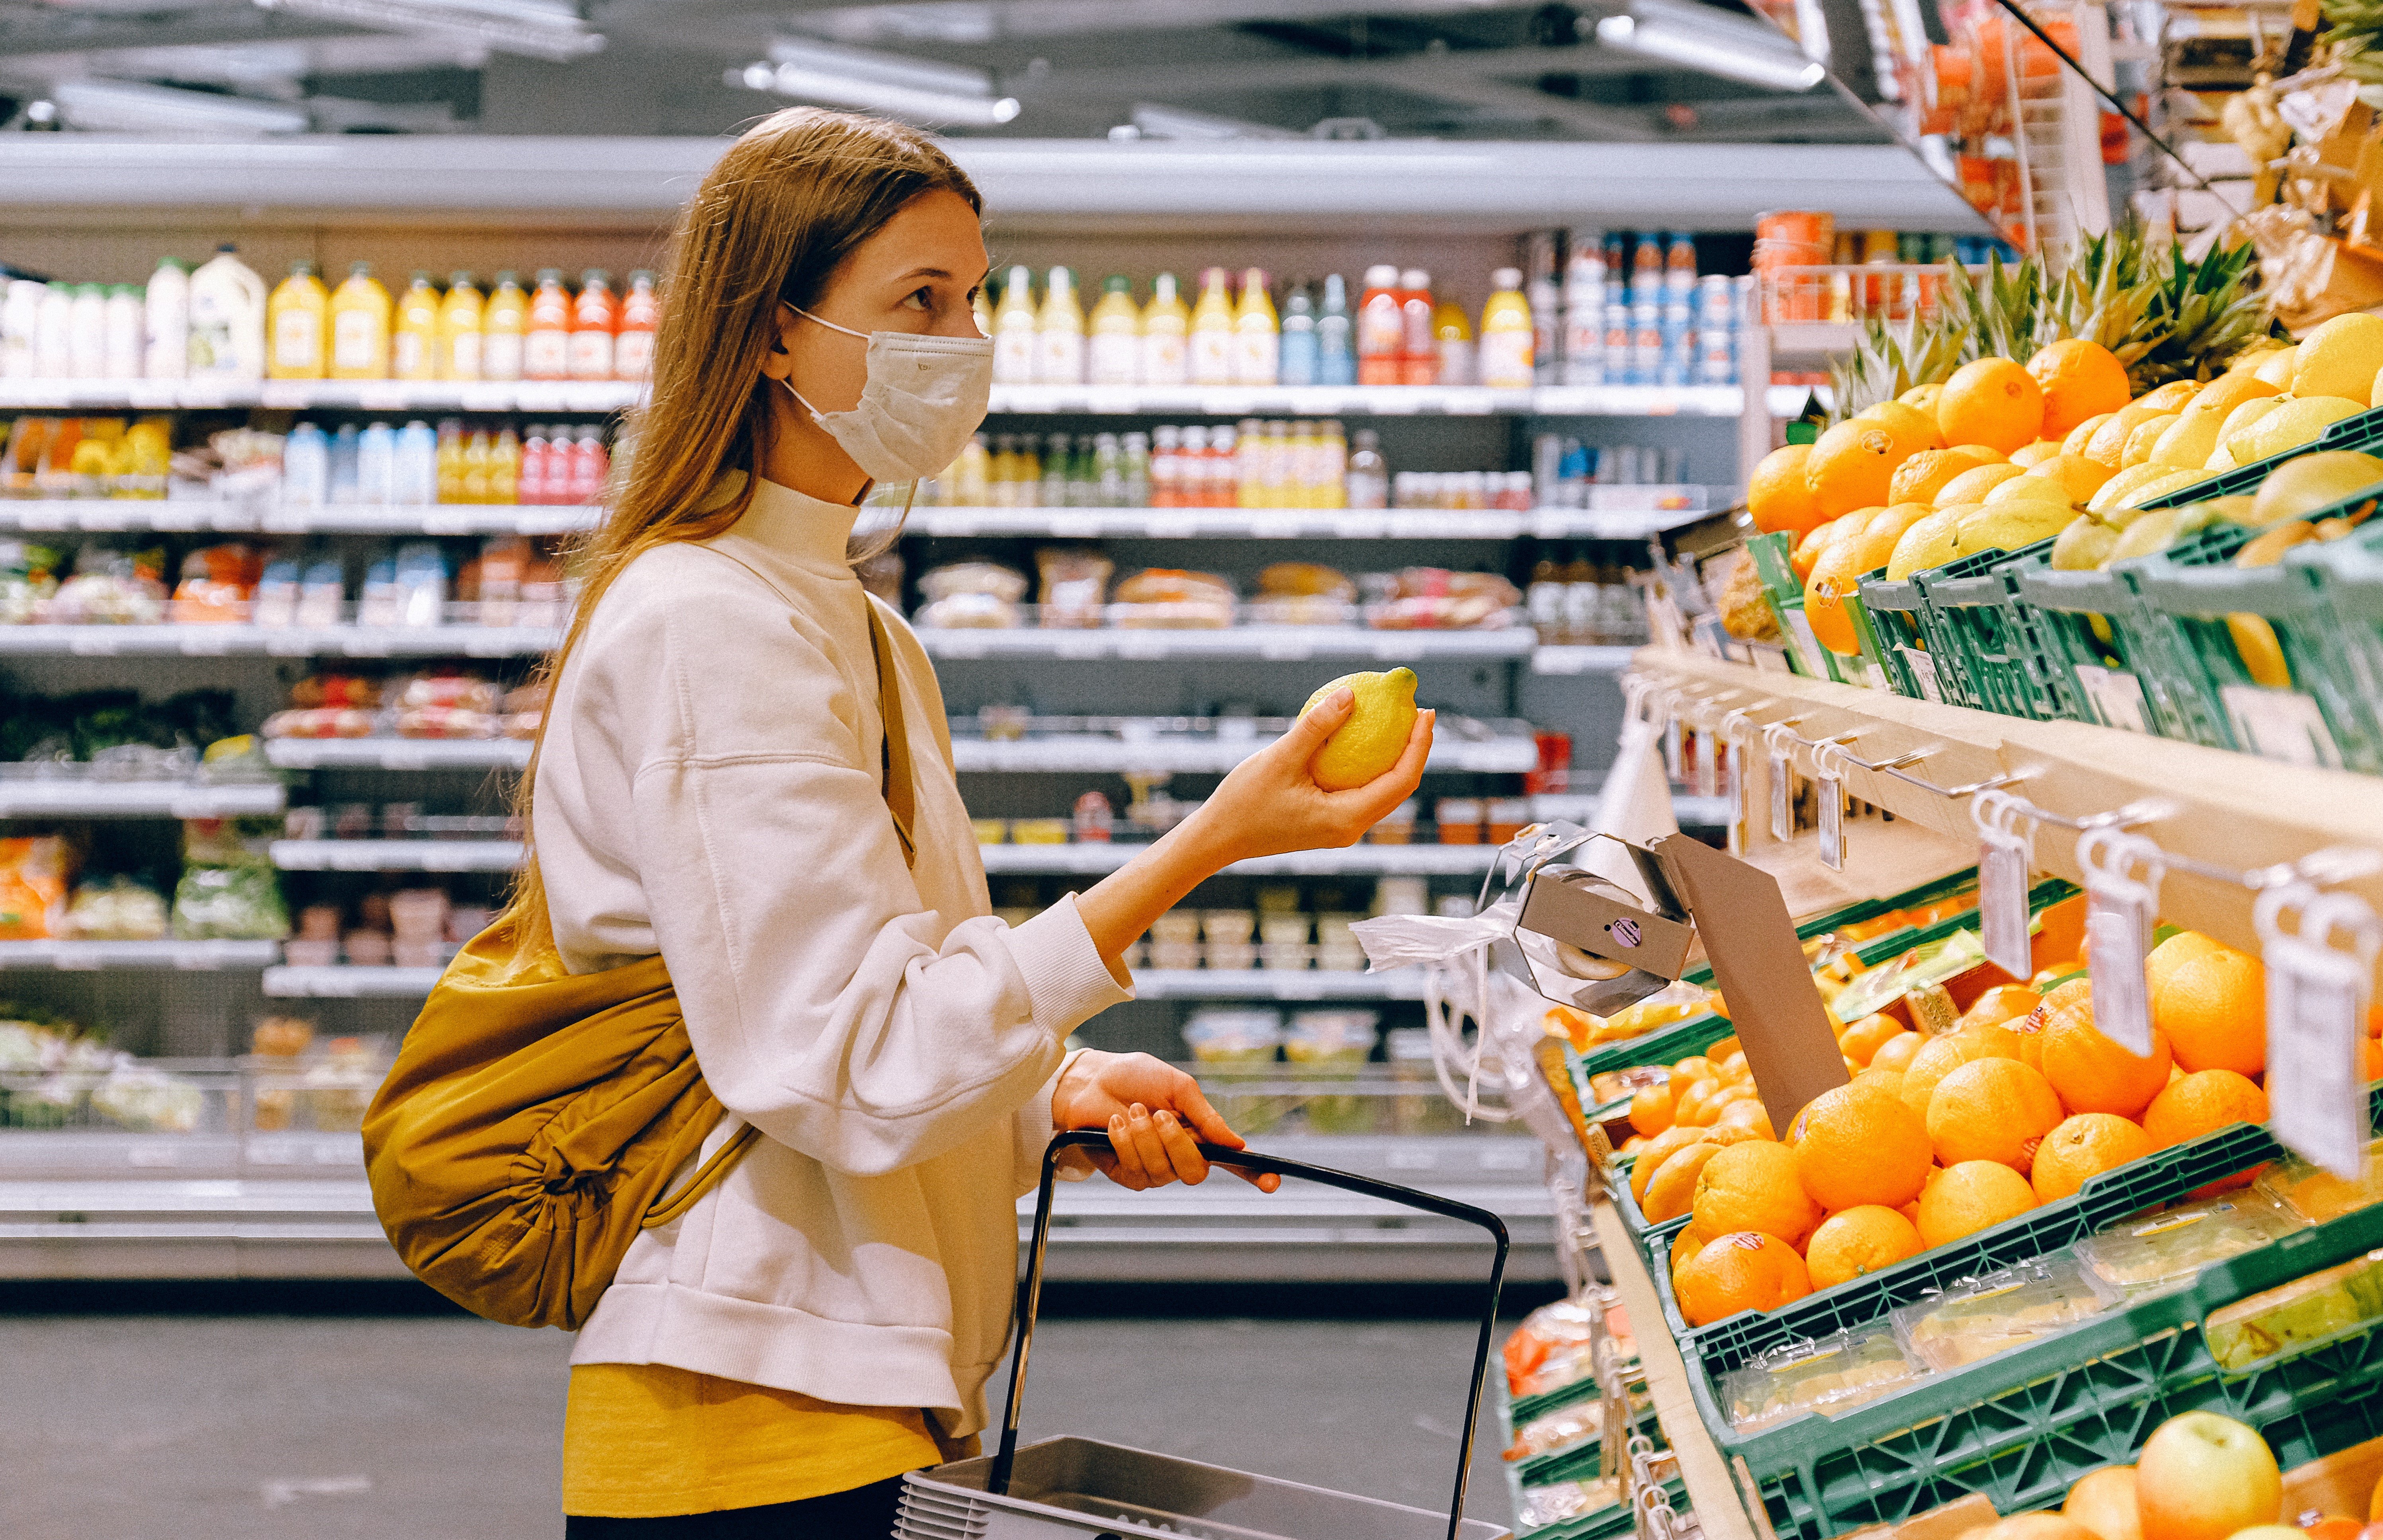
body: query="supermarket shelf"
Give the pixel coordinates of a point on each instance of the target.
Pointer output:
(85, 798)
(1296, 524)
(397, 754)
(327, 641)
(1788, 401)
(349, 983)
(1092, 858)
(397, 854)
(414, 983)
(1201, 756)
(565, 398)
(83, 956)
(1814, 339)
(97, 516)
(1581, 659)
(1273, 643)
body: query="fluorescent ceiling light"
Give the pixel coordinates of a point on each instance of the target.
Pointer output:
(918, 90)
(526, 27)
(1160, 122)
(127, 106)
(978, 22)
(1712, 40)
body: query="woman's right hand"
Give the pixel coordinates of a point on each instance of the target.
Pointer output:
(1271, 805)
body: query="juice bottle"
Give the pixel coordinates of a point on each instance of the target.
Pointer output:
(359, 326)
(1452, 339)
(641, 316)
(1165, 335)
(1166, 443)
(123, 332)
(970, 476)
(1257, 339)
(414, 352)
(1114, 353)
(460, 350)
(1418, 349)
(1192, 469)
(1335, 354)
(1222, 469)
(1059, 333)
(504, 468)
(591, 327)
(1331, 476)
(87, 332)
(1297, 366)
(1014, 328)
(1279, 466)
(298, 321)
(589, 466)
(227, 320)
(1507, 337)
(1214, 326)
(1249, 455)
(1381, 329)
(450, 460)
(504, 328)
(166, 322)
(417, 465)
(476, 451)
(529, 478)
(546, 341)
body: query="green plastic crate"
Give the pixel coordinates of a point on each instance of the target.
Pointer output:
(1981, 620)
(2090, 623)
(2364, 431)
(1892, 610)
(1874, 663)
(2337, 655)
(1784, 592)
(2021, 1426)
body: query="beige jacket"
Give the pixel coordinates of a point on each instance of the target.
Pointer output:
(709, 790)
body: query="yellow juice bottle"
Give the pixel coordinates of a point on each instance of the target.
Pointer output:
(360, 315)
(504, 468)
(450, 460)
(298, 326)
(1113, 355)
(413, 351)
(1165, 335)
(1214, 325)
(504, 326)
(1507, 341)
(1014, 326)
(460, 349)
(1257, 333)
(477, 454)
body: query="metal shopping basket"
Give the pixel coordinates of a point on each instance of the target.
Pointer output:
(1066, 1488)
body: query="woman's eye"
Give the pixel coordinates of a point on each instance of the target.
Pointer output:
(921, 299)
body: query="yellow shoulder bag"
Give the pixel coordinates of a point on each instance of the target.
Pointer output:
(534, 1120)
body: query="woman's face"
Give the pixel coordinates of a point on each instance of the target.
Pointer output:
(920, 273)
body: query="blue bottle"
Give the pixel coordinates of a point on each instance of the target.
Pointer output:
(305, 468)
(1298, 355)
(1336, 352)
(343, 465)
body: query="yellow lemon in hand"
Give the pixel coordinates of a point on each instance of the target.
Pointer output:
(1370, 741)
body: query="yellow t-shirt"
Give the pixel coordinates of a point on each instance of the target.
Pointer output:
(647, 1441)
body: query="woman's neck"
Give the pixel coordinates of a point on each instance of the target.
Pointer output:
(805, 458)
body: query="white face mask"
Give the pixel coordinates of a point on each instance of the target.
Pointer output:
(922, 399)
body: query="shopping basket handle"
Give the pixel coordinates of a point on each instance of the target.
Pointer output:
(1251, 1160)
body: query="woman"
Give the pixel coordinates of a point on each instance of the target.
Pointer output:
(717, 783)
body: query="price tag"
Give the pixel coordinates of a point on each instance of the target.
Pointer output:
(2280, 724)
(1923, 670)
(2120, 912)
(1783, 795)
(2316, 1022)
(1708, 754)
(1735, 729)
(2116, 696)
(1673, 730)
(2005, 853)
(1832, 792)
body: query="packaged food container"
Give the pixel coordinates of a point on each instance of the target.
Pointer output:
(1175, 925)
(1293, 957)
(2290, 1317)
(1179, 956)
(368, 948)
(989, 831)
(1419, 1107)
(1542, 1505)
(1335, 930)
(310, 953)
(1328, 1046)
(2316, 1194)
(418, 954)
(1396, 826)
(1231, 1046)
(1231, 956)
(1230, 925)
(2151, 1254)
(1039, 831)
(1459, 820)
(1281, 930)
(1506, 816)
(1401, 895)
(1827, 1375)
(1996, 1311)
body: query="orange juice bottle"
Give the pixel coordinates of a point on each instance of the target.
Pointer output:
(545, 345)
(1257, 333)
(475, 468)
(592, 323)
(413, 351)
(1381, 331)
(460, 351)
(504, 327)
(641, 316)
(1165, 335)
(1213, 328)
(1419, 352)
(359, 326)
(298, 323)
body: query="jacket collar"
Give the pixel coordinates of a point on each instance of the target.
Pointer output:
(792, 528)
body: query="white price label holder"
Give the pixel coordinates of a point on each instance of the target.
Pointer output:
(2318, 995)
(1778, 741)
(2006, 856)
(2121, 910)
(1829, 768)
(1669, 706)
(1736, 733)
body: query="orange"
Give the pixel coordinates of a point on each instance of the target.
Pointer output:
(1939, 1057)
(2080, 379)
(1888, 1081)
(2081, 476)
(1674, 1186)
(1727, 1047)
(1754, 1186)
(1852, 464)
(1653, 1153)
(1857, 1145)
(2029, 456)
(1920, 478)
(1895, 1052)
(2002, 1042)
(1778, 497)
(2203, 1102)
(2032, 1526)
(2077, 993)
(1684, 1247)
(1994, 402)
(1862, 1039)
(2083, 1146)
(1858, 1241)
(1811, 547)
(1848, 559)
(1653, 1108)
(2083, 434)
(1731, 1066)
(1969, 1197)
(1747, 1112)
(1909, 424)
(1696, 1106)
(1972, 485)
(2092, 1074)
(2212, 1003)
(1992, 1109)
(1745, 1270)
(1998, 1007)
(2103, 1501)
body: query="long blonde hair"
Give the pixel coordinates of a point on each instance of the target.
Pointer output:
(772, 221)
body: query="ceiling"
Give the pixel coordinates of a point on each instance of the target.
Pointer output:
(1450, 69)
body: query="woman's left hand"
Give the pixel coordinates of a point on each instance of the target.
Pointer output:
(1153, 1114)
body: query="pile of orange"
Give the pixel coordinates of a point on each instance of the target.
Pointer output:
(1937, 1137)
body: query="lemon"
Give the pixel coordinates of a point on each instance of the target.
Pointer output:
(2263, 656)
(2161, 487)
(2298, 488)
(2340, 358)
(2223, 394)
(2081, 476)
(2188, 441)
(2302, 420)
(2242, 419)
(1370, 741)
(1973, 486)
(2146, 438)
(2011, 526)
(2125, 482)
(2083, 546)
(2083, 434)
(2278, 367)
(2032, 455)
(2172, 397)
(1928, 542)
(2030, 488)
(2109, 441)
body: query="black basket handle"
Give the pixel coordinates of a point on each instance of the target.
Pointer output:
(1249, 1159)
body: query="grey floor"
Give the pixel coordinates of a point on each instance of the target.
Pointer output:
(274, 1428)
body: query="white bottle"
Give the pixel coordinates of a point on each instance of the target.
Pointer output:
(376, 466)
(305, 468)
(21, 326)
(168, 321)
(53, 334)
(227, 320)
(124, 332)
(415, 478)
(87, 332)
(1014, 326)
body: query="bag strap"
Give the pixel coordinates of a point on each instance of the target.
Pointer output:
(901, 798)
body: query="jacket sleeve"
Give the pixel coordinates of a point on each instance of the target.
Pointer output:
(828, 1005)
